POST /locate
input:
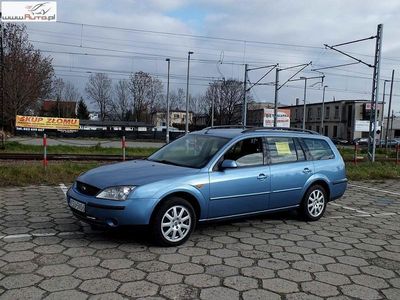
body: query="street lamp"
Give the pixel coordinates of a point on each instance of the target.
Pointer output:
(167, 117)
(323, 109)
(187, 94)
(305, 98)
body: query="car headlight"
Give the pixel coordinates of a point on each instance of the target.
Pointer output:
(119, 193)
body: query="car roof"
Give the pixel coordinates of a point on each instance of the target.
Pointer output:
(231, 133)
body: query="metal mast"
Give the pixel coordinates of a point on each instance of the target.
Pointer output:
(374, 96)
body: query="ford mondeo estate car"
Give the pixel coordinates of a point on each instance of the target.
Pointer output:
(213, 174)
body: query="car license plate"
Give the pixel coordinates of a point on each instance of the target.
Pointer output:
(79, 206)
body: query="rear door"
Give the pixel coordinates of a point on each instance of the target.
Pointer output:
(289, 171)
(244, 189)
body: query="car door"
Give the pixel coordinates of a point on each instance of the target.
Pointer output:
(245, 188)
(289, 171)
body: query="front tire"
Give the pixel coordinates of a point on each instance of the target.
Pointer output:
(173, 222)
(314, 203)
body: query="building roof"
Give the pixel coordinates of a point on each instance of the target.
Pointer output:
(114, 123)
(163, 111)
(328, 102)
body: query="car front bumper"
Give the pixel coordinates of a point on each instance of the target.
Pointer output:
(111, 213)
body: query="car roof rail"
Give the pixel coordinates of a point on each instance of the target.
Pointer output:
(279, 128)
(227, 127)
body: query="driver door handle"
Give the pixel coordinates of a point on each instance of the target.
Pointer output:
(262, 176)
(307, 171)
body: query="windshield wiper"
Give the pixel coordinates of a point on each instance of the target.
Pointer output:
(167, 162)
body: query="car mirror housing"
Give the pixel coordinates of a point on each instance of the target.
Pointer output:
(229, 164)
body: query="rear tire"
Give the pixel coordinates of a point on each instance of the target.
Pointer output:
(314, 203)
(173, 222)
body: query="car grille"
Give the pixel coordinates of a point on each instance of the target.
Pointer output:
(87, 189)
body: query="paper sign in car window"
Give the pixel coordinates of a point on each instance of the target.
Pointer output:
(283, 148)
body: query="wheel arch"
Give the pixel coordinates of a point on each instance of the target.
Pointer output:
(322, 183)
(179, 194)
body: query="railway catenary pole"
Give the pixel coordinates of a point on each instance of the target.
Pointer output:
(389, 109)
(167, 116)
(187, 94)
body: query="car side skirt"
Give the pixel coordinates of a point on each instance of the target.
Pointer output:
(250, 213)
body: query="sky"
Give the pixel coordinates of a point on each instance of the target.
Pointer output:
(133, 35)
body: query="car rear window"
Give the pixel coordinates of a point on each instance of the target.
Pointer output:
(319, 149)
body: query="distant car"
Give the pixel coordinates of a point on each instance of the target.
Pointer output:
(360, 141)
(391, 142)
(164, 129)
(339, 141)
(213, 174)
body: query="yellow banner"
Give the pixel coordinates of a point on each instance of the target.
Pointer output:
(47, 122)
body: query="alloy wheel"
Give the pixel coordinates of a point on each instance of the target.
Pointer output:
(176, 223)
(316, 203)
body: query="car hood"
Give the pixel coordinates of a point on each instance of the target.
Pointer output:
(135, 172)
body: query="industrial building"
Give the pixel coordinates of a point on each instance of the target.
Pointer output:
(343, 119)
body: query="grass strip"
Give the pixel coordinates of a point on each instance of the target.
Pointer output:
(23, 173)
(15, 147)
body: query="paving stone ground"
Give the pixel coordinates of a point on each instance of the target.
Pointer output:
(351, 253)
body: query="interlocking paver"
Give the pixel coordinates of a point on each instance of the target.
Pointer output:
(279, 285)
(260, 294)
(59, 283)
(91, 273)
(139, 289)
(259, 258)
(20, 280)
(165, 277)
(179, 291)
(67, 295)
(98, 286)
(221, 293)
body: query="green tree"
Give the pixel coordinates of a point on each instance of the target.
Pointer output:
(82, 111)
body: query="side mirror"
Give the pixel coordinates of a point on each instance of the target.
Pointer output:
(228, 164)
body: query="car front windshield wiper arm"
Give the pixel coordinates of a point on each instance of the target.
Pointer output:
(167, 162)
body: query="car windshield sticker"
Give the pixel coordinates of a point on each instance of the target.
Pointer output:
(282, 148)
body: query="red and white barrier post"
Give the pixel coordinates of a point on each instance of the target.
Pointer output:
(355, 153)
(123, 147)
(45, 150)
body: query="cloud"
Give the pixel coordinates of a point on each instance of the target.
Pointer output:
(273, 23)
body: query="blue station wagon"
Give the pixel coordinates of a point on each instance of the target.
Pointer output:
(212, 174)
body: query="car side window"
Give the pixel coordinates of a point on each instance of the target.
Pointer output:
(247, 152)
(319, 149)
(281, 150)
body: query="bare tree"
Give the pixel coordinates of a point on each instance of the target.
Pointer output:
(99, 89)
(122, 102)
(147, 94)
(28, 74)
(155, 95)
(227, 96)
(63, 92)
(177, 99)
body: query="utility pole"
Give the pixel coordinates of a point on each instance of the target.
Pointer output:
(391, 125)
(323, 110)
(244, 108)
(389, 108)
(375, 83)
(305, 98)
(187, 95)
(212, 111)
(383, 109)
(276, 96)
(3, 134)
(374, 97)
(167, 117)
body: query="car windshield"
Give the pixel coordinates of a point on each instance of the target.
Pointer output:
(192, 150)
